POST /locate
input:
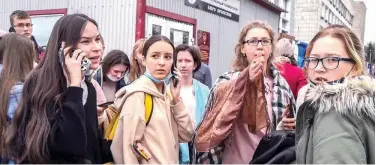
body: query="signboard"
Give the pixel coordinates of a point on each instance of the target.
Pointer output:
(225, 8)
(204, 45)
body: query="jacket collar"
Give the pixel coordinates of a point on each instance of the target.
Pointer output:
(356, 97)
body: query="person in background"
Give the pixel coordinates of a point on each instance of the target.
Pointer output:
(203, 74)
(15, 51)
(20, 22)
(137, 65)
(336, 122)
(169, 121)
(287, 66)
(193, 93)
(246, 103)
(110, 75)
(110, 78)
(56, 120)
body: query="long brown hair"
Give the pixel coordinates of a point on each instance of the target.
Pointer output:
(240, 61)
(29, 135)
(135, 66)
(17, 54)
(353, 46)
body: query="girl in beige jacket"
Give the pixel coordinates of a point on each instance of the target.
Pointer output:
(169, 123)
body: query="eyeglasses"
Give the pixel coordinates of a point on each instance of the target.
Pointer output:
(264, 42)
(21, 25)
(327, 62)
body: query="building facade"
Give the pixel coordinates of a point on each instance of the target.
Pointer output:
(212, 24)
(286, 23)
(313, 15)
(359, 21)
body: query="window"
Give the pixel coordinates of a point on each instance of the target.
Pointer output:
(284, 24)
(179, 37)
(157, 30)
(42, 27)
(44, 21)
(326, 13)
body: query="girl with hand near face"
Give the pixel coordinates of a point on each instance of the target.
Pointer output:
(246, 103)
(56, 121)
(336, 118)
(169, 123)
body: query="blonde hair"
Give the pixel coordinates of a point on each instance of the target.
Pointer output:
(353, 46)
(240, 61)
(135, 70)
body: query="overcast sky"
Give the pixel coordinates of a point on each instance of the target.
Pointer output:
(370, 33)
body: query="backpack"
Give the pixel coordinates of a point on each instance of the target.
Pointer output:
(277, 147)
(111, 129)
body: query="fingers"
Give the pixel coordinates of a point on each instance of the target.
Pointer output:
(258, 72)
(81, 56)
(289, 124)
(288, 120)
(76, 53)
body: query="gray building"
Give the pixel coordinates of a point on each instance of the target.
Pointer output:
(286, 23)
(121, 22)
(313, 15)
(359, 22)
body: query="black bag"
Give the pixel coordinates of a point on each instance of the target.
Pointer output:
(277, 147)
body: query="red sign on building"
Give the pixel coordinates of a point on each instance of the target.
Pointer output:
(204, 45)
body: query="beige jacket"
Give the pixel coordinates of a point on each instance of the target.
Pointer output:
(168, 125)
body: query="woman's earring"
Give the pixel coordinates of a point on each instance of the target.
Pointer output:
(243, 54)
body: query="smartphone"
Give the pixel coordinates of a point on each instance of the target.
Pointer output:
(142, 154)
(291, 113)
(85, 63)
(175, 81)
(106, 104)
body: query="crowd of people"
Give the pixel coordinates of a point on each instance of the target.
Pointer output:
(73, 104)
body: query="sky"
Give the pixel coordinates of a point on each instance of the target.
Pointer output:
(370, 30)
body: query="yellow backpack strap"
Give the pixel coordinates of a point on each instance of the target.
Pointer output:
(110, 131)
(148, 108)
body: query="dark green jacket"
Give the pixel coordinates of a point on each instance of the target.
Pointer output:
(336, 124)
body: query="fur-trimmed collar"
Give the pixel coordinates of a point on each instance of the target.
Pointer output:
(356, 96)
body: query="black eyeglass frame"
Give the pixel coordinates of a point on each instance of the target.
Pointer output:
(258, 41)
(308, 59)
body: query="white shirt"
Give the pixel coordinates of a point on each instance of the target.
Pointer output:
(188, 97)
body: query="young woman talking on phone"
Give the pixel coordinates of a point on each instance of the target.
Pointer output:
(157, 137)
(56, 121)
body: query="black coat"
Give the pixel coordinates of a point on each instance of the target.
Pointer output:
(277, 147)
(74, 136)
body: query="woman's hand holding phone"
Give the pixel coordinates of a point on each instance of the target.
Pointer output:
(141, 151)
(73, 65)
(288, 119)
(175, 88)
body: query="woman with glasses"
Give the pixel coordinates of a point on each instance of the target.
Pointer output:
(336, 122)
(246, 103)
